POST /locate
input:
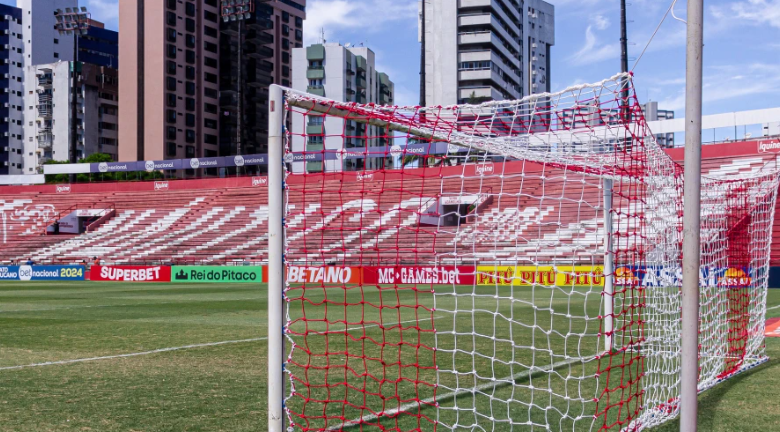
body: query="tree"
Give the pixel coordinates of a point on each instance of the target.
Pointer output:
(476, 100)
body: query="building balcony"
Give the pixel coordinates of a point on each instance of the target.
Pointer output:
(315, 73)
(45, 80)
(45, 110)
(258, 51)
(316, 90)
(315, 129)
(360, 62)
(315, 52)
(361, 82)
(350, 91)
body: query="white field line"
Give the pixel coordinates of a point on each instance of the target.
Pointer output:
(452, 395)
(118, 305)
(773, 308)
(136, 354)
(161, 350)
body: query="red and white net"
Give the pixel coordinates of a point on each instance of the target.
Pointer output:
(504, 267)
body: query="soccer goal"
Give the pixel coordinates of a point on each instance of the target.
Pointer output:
(509, 266)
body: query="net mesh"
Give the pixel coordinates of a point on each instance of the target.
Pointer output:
(507, 266)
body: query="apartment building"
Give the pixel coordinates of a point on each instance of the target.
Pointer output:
(11, 91)
(652, 113)
(267, 39)
(179, 88)
(480, 50)
(49, 130)
(346, 74)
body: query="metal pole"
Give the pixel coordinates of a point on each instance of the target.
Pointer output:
(74, 135)
(422, 56)
(240, 72)
(276, 280)
(689, 374)
(609, 291)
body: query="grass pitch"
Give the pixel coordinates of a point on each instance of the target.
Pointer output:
(222, 387)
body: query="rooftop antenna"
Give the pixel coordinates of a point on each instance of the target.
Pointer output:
(322, 35)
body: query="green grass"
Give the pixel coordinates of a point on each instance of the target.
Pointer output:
(223, 388)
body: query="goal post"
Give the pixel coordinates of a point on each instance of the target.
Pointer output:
(503, 266)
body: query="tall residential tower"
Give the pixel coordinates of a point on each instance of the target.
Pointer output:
(479, 50)
(179, 88)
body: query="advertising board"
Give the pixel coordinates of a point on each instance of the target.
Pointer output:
(130, 273)
(42, 273)
(216, 274)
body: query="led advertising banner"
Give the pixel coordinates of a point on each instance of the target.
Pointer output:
(216, 274)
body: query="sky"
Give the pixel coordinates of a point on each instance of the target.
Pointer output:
(741, 55)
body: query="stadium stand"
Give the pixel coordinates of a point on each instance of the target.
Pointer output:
(223, 220)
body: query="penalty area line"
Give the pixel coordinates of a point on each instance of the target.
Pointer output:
(158, 351)
(773, 308)
(135, 354)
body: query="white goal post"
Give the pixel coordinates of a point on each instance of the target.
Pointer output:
(499, 266)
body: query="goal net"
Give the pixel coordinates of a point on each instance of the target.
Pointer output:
(507, 266)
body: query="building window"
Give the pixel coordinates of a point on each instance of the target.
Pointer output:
(211, 93)
(190, 88)
(190, 104)
(171, 67)
(190, 120)
(171, 4)
(299, 35)
(210, 123)
(285, 71)
(298, 22)
(190, 56)
(315, 83)
(286, 43)
(285, 56)
(210, 31)
(170, 116)
(190, 72)
(189, 9)
(170, 18)
(171, 34)
(210, 62)
(210, 139)
(210, 77)
(170, 148)
(285, 30)
(190, 151)
(210, 16)
(170, 84)
(170, 133)
(210, 108)
(190, 40)
(190, 136)
(285, 16)
(171, 51)
(170, 99)
(210, 47)
(190, 25)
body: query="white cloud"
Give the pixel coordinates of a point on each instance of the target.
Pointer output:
(366, 15)
(600, 21)
(592, 51)
(758, 11)
(731, 82)
(106, 11)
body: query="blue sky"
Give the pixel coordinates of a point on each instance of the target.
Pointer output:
(742, 45)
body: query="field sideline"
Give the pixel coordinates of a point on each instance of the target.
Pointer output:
(197, 361)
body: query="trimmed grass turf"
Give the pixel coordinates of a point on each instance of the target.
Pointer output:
(203, 389)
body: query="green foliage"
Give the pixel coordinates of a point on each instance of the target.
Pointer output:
(476, 100)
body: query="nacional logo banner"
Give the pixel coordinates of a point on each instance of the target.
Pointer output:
(216, 274)
(42, 273)
(130, 273)
(441, 275)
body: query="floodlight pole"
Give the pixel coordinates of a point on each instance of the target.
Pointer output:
(276, 279)
(81, 19)
(689, 375)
